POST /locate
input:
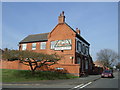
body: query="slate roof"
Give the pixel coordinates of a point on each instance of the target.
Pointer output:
(79, 36)
(35, 38)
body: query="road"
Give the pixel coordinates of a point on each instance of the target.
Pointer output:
(102, 84)
(90, 82)
(105, 83)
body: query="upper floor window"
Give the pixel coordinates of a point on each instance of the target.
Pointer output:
(79, 46)
(87, 50)
(83, 48)
(52, 44)
(43, 45)
(33, 46)
(24, 46)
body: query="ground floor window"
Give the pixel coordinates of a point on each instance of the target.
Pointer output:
(78, 60)
(86, 65)
(24, 46)
(82, 65)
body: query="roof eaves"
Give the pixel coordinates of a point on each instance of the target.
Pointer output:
(78, 34)
(82, 39)
(33, 41)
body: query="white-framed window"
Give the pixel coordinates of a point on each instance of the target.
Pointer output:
(52, 44)
(24, 46)
(33, 46)
(43, 45)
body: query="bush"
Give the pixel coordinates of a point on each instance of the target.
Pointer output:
(25, 75)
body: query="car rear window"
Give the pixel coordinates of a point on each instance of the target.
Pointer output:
(107, 71)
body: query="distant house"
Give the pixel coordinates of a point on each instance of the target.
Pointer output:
(98, 67)
(98, 64)
(1, 51)
(65, 41)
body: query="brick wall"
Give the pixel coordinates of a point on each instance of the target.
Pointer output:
(68, 68)
(13, 65)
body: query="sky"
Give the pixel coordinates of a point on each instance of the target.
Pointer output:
(98, 22)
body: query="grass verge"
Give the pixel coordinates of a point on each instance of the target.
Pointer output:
(9, 75)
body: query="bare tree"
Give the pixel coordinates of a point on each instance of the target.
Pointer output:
(107, 57)
(40, 60)
(118, 65)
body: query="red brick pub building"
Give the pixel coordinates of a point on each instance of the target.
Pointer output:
(64, 41)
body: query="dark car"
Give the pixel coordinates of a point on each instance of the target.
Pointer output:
(107, 73)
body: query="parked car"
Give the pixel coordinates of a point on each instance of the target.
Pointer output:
(107, 73)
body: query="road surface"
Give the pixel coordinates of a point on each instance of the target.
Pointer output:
(101, 84)
(105, 83)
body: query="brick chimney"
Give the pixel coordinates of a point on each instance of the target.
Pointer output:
(78, 31)
(61, 18)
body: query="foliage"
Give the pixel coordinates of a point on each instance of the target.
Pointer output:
(107, 57)
(32, 59)
(1, 53)
(10, 55)
(118, 66)
(9, 75)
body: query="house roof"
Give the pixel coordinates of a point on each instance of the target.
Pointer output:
(35, 38)
(98, 63)
(44, 37)
(78, 35)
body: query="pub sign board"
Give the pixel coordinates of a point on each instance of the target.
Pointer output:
(63, 44)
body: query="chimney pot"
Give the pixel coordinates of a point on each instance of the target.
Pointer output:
(61, 18)
(78, 31)
(62, 13)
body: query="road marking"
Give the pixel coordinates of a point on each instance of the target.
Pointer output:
(78, 85)
(86, 85)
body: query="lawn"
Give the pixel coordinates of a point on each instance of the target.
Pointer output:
(9, 75)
